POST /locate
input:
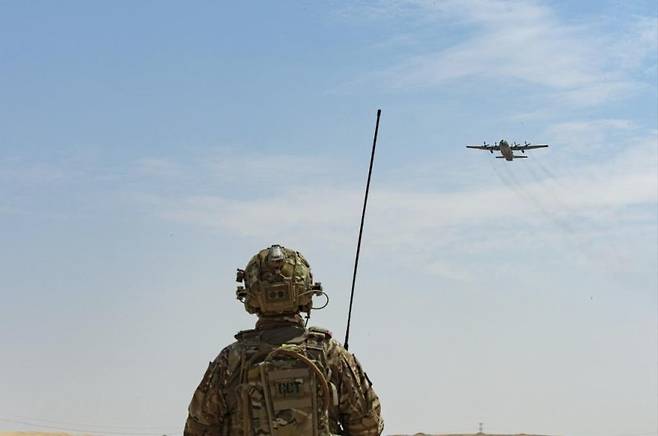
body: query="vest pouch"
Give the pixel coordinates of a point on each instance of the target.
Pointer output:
(286, 394)
(252, 405)
(291, 394)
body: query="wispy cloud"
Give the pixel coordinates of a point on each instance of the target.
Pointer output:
(287, 197)
(158, 167)
(20, 171)
(516, 207)
(526, 42)
(591, 136)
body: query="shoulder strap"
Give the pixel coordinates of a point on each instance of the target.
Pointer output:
(322, 331)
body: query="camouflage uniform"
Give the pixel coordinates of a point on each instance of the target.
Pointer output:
(358, 411)
(349, 403)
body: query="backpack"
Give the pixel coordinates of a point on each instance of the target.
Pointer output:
(284, 389)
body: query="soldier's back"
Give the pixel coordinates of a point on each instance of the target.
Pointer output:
(287, 380)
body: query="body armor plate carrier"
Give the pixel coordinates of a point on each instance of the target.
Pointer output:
(285, 389)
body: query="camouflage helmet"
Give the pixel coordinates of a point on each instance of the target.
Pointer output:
(277, 281)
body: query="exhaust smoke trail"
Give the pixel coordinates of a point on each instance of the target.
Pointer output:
(553, 208)
(547, 172)
(534, 199)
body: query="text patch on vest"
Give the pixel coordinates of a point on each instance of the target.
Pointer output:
(291, 388)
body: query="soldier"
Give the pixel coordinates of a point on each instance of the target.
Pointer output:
(282, 379)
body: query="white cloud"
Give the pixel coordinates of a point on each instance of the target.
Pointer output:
(292, 208)
(631, 49)
(17, 171)
(528, 204)
(526, 42)
(159, 167)
(588, 134)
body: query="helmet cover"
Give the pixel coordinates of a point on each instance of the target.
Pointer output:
(277, 281)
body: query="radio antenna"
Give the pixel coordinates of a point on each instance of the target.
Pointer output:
(358, 245)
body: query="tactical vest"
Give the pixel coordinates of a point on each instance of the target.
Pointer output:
(284, 389)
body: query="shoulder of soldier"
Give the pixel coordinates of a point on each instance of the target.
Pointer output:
(335, 352)
(243, 339)
(320, 332)
(325, 337)
(226, 363)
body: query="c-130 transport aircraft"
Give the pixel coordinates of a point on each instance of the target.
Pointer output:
(506, 150)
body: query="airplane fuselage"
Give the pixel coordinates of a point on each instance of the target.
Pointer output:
(505, 150)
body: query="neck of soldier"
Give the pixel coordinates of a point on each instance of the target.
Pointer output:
(284, 320)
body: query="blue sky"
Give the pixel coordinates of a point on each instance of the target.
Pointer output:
(148, 149)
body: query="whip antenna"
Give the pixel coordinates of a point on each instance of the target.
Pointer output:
(358, 245)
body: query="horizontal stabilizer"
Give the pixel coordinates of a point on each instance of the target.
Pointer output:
(500, 157)
(520, 157)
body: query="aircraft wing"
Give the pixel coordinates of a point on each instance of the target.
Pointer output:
(484, 147)
(528, 147)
